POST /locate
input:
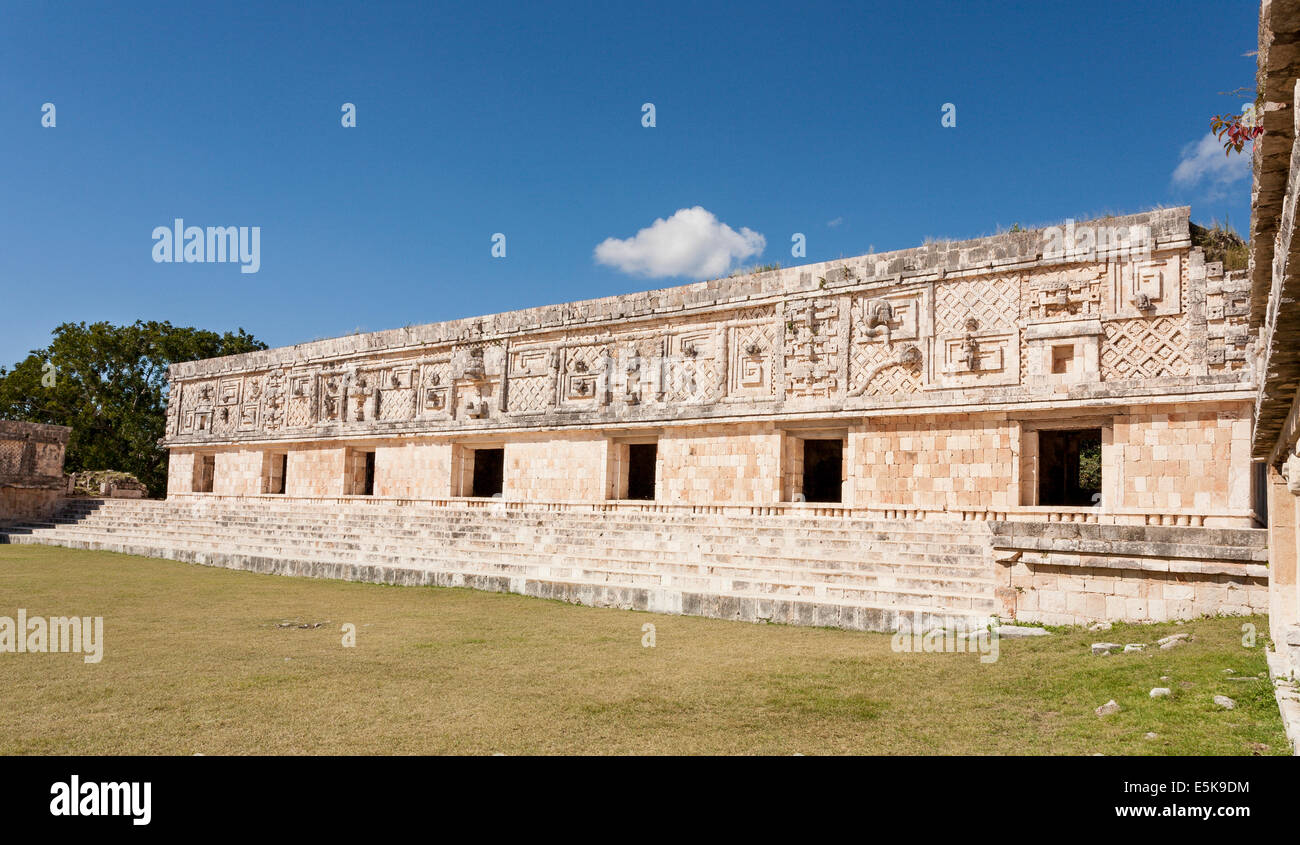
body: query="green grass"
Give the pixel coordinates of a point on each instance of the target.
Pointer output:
(195, 661)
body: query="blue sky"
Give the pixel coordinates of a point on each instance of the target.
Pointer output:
(526, 119)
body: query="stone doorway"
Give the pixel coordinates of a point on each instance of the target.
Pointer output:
(1069, 467)
(641, 460)
(276, 480)
(360, 477)
(489, 472)
(823, 470)
(205, 472)
(368, 482)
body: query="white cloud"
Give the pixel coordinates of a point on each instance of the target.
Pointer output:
(1203, 163)
(693, 242)
(833, 223)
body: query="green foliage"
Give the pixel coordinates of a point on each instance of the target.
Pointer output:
(757, 268)
(110, 387)
(1090, 465)
(1221, 242)
(88, 483)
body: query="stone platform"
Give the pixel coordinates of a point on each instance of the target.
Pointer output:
(745, 563)
(855, 574)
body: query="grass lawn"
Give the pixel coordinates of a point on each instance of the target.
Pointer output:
(195, 660)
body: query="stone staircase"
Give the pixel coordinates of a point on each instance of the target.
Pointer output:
(876, 575)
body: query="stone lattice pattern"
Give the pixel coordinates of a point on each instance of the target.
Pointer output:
(984, 316)
(875, 370)
(529, 394)
(11, 457)
(298, 411)
(993, 302)
(1145, 348)
(397, 404)
(896, 379)
(690, 380)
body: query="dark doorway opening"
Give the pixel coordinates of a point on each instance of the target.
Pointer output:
(368, 486)
(205, 472)
(641, 459)
(1069, 467)
(278, 482)
(489, 472)
(1259, 491)
(823, 470)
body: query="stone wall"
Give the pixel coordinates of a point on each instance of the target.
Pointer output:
(1179, 462)
(936, 366)
(31, 469)
(1274, 309)
(412, 470)
(1170, 459)
(968, 462)
(1071, 574)
(317, 470)
(987, 322)
(557, 467)
(703, 464)
(239, 472)
(23, 503)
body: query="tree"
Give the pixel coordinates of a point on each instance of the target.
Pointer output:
(109, 384)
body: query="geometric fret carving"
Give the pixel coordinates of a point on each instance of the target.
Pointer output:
(812, 350)
(995, 303)
(752, 350)
(1145, 348)
(530, 394)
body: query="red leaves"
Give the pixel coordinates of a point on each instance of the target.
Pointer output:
(1234, 130)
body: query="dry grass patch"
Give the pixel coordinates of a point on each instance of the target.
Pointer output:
(196, 660)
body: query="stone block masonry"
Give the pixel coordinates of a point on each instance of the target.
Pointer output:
(31, 469)
(939, 364)
(989, 381)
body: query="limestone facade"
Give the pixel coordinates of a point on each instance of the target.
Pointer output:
(31, 469)
(1275, 315)
(938, 383)
(935, 367)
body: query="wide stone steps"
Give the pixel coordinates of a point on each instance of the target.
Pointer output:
(360, 515)
(856, 573)
(825, 612)
(806, 572)
(922, 543)
(453, 518)
(949, 555)
(754, 582)
(933, 565)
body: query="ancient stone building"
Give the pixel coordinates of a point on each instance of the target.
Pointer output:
(953, 378)
(1275, 312)
(1051, 424)
(31, 469)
